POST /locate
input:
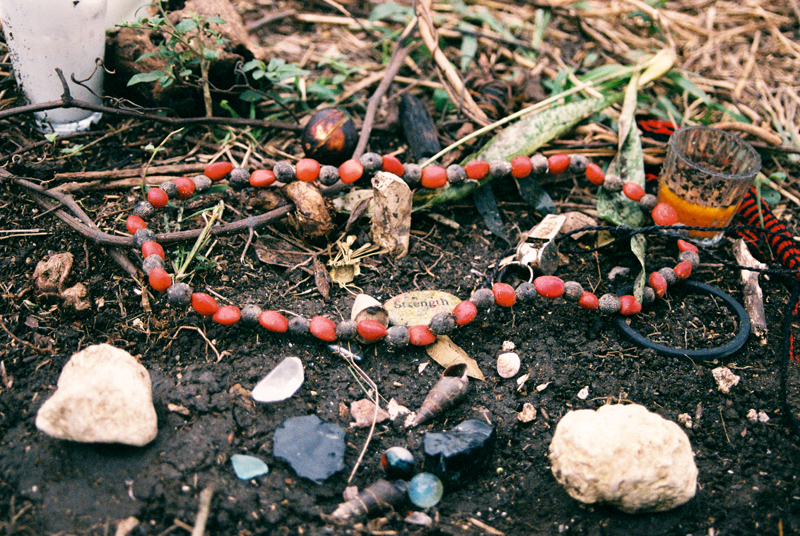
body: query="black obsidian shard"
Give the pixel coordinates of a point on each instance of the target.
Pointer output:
(461, 454)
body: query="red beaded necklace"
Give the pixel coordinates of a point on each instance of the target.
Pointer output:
(501, 294)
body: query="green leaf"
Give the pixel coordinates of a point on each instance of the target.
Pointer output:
(321, 91)
(75, 149)
(770, 196)
(148, 55)
(225, 105)
(186, 26)
(215, 20)
(469, 46)
(51, 137)
(152, 76)
(441, 101)
(391, 11)
(253, 64)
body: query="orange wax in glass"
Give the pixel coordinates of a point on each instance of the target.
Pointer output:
(694, 215)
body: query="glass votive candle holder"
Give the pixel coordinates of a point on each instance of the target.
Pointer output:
(705, 176)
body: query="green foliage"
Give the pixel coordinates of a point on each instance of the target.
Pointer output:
(191, 44)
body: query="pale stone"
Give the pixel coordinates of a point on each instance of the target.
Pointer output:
(419, 306)
(281, 383)
(725, 379)
(583, 394)
(104, 396)
(363, 411)
(391, 213)
(528, 413)
(625, 456)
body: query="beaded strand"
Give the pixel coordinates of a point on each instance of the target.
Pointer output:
(501, 294)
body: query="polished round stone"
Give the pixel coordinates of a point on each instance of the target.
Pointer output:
(425, 490)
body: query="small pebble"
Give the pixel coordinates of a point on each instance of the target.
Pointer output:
(152, 261)
(250, 314)
(412, 174)
(613, 183)
(398, 337)
(248, 467)
(526, 292)
(442, 324)
(143, 209)
(648, 202)
(202, 184)
(328, 175)
(299, 325)
(170, 188)
(347, 330)
(669, 275)
(609, 304)
(456, 174)
(573, 291)
(499, 169)
(284, 171)
(483, 298)
(179, 295)
(143, 235)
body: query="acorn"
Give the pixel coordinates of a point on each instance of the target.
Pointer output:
(330, 137)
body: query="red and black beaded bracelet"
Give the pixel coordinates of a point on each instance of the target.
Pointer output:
(501, 294)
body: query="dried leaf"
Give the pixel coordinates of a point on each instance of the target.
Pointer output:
(445, 352)
(487, 207)
(321, 279)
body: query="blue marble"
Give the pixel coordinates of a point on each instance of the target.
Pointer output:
(425, 490)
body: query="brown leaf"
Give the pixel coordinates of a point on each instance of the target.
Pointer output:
(322, 279)
(445, 352)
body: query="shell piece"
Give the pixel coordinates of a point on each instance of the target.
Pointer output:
(508, 364)
(379, 496)
(450, 389)
(367, 307)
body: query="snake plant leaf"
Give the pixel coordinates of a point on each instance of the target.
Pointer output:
(535, 196)
(521, 138)
(487, 207)
(638, 247)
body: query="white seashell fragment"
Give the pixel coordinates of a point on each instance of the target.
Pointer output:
(508, 364)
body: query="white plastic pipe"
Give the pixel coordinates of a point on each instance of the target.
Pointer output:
(43, 35)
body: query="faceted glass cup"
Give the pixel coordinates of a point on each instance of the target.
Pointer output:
(705, 176)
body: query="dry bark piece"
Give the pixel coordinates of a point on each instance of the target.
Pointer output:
(391, 213)
(311, 216)
(51, 273)
(75, 297)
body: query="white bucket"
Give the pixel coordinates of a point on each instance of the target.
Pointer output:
(69, 34)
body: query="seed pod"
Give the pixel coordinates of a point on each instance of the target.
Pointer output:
(379, 496)
(450, 388)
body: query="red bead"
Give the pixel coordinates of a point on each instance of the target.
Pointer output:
(633, 191)
(504, 294)
(521, 167)
(157, 197)
(371, 330)
(152, 248)
(683, 245)
(350, 171)
(134, 223)
(420, 336)
(392, 165)
(227, 315)
(465, 312)
(558, 163)
(549, 286)
(218, 170)
(477, 170)
(683, 270)
(307, 170)
(323, 328)
(185, 187)
(261, 178)
(628, 305)
(657, 282)
(273, 321)
(589, 302)
(204, 304)
(664, 214)
(159, 279)
(594, 174)
(433, 177)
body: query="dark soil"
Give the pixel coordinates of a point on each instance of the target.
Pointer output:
(748, 471)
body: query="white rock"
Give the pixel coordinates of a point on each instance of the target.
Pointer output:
(508, 364)
(625, 456)
(281, 383)
(725, 379)
(685, 419)
(583, 394)
(104, 396)
(528, 413)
